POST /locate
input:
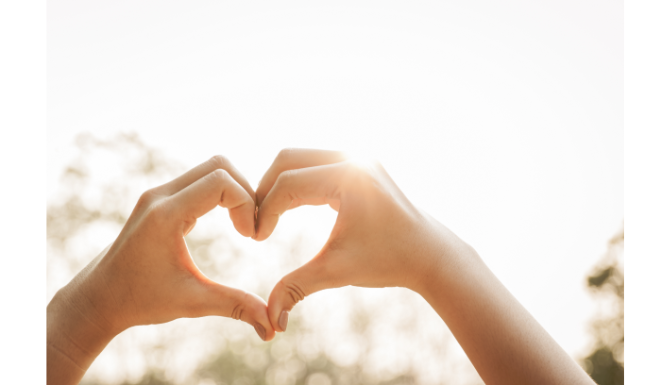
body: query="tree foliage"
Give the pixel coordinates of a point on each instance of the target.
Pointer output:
(605, 363)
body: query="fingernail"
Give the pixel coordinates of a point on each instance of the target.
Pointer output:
(260, 330)
(283, 320)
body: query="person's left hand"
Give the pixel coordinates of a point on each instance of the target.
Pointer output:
(147, 276)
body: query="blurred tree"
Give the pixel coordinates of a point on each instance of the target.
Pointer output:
(605, 363)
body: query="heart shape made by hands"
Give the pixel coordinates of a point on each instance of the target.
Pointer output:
(148, 276)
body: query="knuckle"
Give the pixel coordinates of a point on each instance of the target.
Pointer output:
(285, 153)
(220, 161)
(147, 198)
(294, 291)
(353, 170)
(358, 176)
(156, 214)
(366, 169)
(220, 175)
(240, 306)
(285, 177)
(237, 312)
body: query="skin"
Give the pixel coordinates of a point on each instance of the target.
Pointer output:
(381, 240)
(147, 276)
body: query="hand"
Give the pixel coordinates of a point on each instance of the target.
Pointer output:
(379, 239)
(147, 276)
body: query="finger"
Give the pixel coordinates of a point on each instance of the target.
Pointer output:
(213, 299)
(292, 159)
(308, 184)
(316, 275)
(215, 188)
(199, 171)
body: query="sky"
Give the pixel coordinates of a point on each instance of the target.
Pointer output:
(503, 120)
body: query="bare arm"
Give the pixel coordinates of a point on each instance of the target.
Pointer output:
(380, 240)
(503, 341)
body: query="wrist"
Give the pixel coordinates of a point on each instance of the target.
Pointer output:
(81, 321)
(73, 316)
(76, 335)
(445, 260)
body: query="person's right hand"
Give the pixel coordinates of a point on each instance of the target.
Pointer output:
(379, 239)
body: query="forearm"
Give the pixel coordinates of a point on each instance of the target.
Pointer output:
(503, 341)
(75, 337)
(77, 330)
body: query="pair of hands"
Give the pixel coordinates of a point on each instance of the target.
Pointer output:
(147, 276)
(380, 239)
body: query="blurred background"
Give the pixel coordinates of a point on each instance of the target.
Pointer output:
(503, 120)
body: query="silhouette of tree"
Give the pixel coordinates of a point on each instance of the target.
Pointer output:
(605, 363)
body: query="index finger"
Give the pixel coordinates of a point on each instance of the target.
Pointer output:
(319, 183)
(292, 159)
(199, 171)
(216, 188)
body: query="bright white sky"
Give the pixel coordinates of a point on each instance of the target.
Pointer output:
(504, 120)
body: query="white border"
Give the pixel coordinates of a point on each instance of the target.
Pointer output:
(23, 224)
(647, 190)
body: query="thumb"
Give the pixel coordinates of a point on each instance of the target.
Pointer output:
(316, 275)
(224, 301)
